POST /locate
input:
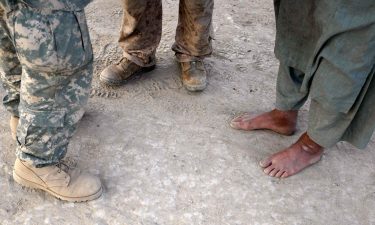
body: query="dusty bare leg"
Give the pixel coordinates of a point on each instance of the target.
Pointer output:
(292, 160)
(283, 122)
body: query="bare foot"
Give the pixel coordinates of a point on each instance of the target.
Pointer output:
(292, 160)
(282, 122)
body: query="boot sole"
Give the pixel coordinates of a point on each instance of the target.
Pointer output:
(121, 82)
(195, 88)
(26, 183)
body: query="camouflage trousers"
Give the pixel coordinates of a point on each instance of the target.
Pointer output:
(141, 30)
(46, 70)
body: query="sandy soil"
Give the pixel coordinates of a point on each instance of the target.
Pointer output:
(168, 157)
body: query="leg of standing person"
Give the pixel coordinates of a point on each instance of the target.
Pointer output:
(10, 75)
(139, 37)
(340, 84)
(327, 126)
(55, 53)
(291, 90)
(193, 41)
(339, 64)
(283, 120)
(289, 99)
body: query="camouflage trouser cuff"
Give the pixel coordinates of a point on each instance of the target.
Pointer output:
(11, 105)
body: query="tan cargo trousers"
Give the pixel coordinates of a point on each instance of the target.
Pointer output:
(141, 30)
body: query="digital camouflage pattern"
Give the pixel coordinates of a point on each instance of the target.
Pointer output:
(327, 51)
(141, 30)
(66, 5)
(49, 53)
(10, 68)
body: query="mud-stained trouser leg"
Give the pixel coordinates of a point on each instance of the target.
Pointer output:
(56, 56)
(10, 69)
(141, 30)
(194, 30)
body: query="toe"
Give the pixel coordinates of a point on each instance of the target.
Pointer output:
(265, 162)
(236, 122)
(284, 175)
(274, 172)
(237, 119)
(268, 170)
(241, 122)
(279, 174)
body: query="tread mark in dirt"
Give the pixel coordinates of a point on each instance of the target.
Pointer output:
(97, 92)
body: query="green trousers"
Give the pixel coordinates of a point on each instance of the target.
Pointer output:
(327, 52)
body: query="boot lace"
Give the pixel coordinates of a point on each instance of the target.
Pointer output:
(66, 165)
(123, 59)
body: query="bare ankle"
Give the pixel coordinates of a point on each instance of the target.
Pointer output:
(287, 114)
(287, 120)
(309, 145)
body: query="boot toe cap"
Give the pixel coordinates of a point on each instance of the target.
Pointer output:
(197, 83)
(85, 185)
(111, 75)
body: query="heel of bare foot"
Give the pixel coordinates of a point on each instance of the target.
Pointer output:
(282, 122)
(292, 160)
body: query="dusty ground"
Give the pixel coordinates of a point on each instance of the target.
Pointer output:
(168, 157)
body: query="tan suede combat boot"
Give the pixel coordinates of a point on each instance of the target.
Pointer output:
(117, 74)
(13, 126)
(61, 181)
(194, 75)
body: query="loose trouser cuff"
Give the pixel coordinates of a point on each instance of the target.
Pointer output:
(320, 140)
(326, 127)
(180, 57)
(141, 62)
(283, 106)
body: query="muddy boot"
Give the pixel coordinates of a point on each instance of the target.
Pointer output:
(193, 75)
(13, 126)
(61, 181)
(117, 74)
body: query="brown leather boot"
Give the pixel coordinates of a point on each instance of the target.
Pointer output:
(117, 74)
(61, 181)
(13, 126)
(193, 75)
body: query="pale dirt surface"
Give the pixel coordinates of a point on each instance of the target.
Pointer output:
(168, 157)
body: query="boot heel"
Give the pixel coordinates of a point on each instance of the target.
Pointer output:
(24, 182)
